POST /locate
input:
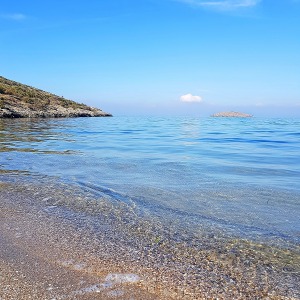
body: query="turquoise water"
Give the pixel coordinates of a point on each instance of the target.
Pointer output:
(238, 175)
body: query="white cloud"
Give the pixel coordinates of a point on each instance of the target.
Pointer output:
(13, 17)
(223, 4)
(190, 98)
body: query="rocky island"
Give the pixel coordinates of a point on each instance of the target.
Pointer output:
(22, 101)
(232, 114)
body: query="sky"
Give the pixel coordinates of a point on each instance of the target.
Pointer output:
(158, 57)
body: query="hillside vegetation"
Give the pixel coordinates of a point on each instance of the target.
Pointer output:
(19, 100)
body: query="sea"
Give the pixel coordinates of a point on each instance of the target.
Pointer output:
(240, 176)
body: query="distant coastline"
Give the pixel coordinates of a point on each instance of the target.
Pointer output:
(231, 114)
(22, 101)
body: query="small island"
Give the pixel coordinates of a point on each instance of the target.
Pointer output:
(22, 101)
(231, 114)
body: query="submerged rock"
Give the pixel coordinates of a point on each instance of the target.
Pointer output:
(232, 114)
(21, 101)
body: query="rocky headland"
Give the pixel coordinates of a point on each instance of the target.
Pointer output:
(232, 114)
(22, 101)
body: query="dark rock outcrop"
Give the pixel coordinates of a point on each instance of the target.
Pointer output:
(232, 114)
(21, 101)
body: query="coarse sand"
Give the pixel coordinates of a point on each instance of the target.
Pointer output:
(53, 246)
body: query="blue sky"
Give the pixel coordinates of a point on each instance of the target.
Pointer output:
(193, 57)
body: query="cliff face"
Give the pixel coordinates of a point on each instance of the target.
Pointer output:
(21, 101)
(232, 114)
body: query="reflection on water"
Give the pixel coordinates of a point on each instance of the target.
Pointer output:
(32, 135)
(190, 134)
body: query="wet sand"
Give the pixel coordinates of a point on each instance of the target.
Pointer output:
(57, 245)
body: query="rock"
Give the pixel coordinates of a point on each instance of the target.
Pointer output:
(21, 101)
(232, 114)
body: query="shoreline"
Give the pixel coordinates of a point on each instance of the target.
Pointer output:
(59, 244)
(46, 256)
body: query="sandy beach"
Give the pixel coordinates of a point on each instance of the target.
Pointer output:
(57, 245)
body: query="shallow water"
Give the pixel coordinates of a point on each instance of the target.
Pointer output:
(237, 175)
